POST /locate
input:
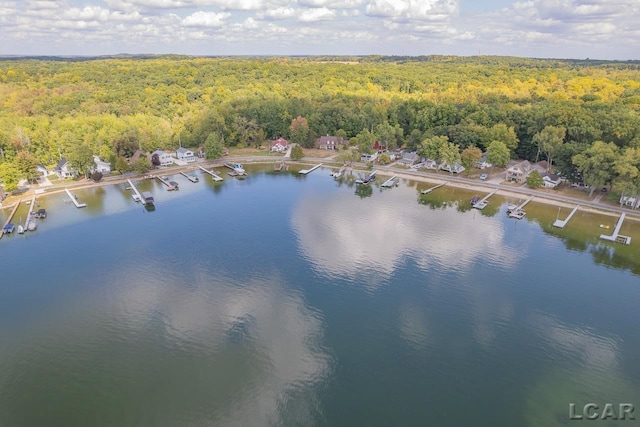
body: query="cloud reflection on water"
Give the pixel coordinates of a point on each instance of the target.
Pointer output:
(344, 237)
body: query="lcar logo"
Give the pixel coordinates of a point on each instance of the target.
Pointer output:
(610, 411)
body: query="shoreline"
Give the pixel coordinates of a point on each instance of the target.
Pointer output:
(417, 176)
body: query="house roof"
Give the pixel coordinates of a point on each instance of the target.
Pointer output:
(551, 177)
(280, 141)
(523, 166)
(61, 163)
(330, 139)
(183, 150)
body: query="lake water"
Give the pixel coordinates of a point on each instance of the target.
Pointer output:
(289, 300)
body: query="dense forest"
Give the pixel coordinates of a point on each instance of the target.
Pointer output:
(581, 115)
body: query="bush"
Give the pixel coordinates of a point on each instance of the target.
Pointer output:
(534, 180)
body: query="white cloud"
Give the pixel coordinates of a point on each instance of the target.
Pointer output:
(316, 14)
(278, 13)
(206, 19)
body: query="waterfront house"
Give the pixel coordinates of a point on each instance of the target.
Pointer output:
(551, 180)
(429, 164)
(64, 169)
(409, 158)
(163, 157)
(279, 145)
(632, 202)
(329, 142)
(519, 172)
(367, 158)
(456, 168)
(42, 170)
(185, 155)
(379, 147)
(482, 162)
(100, 166)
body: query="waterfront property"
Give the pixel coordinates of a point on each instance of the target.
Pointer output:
(162, 158)
(64, 169)
(519, 172)
(329, 142)
(100, 166)
(185, 155)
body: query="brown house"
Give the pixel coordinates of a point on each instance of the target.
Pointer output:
(329, 142)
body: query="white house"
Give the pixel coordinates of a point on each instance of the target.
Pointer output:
(482, 162)
(279, 145)
(163, 157)
(366, 158)
(409, 159)
(185, 155)
(551, 180)
(631, 202)
(64, 169)
(100, 166)
(456, 168)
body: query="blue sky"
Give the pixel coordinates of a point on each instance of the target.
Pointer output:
(602, 29)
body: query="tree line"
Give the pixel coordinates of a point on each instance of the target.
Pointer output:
(582, 116)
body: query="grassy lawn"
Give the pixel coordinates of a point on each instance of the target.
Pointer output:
(250, 152)
(314, 152)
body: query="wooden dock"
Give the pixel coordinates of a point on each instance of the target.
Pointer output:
(429, 190)
(390, 182)
(482, 203)
(308, 171)
(138, 196)
(8, 221)
(170, 186)
(74, 200)
(616, 237)
(560, 223)
(192, 178)
(216, 178)
(523, 204)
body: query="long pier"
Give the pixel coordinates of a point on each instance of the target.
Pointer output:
(616, 237)
(74, 200)
(482, 203)
(390, 182)
(13, 212)
(560, 223)
(216, 178)
(164, 181)
(307, 171)
(192, 178)
(138, 196)
(429, 190)
(523, 204)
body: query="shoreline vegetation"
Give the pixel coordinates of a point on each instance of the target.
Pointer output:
(557, 200)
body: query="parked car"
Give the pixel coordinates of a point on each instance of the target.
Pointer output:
(483, 176)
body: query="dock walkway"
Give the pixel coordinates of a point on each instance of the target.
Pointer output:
(75, 200)
(482, 203)
(307, 171)
(560, 223)
(390, 182)
(191, 178)
(13, 212)
(429, 190)
(616, 237)
(135, 190)
(216, 178)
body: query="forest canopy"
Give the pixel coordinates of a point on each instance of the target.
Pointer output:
(114, 106)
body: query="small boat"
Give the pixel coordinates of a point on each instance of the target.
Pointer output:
(481, 204)
(32, 225)
(511, 207)
(193, 178)
(40, 213)
(20, 229)
(8, 229)
(135, 198)
(517, 214)
(604, 226)
(474, 200)
(173, 186)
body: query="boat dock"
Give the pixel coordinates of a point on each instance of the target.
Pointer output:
(136, 194)
(216, 178)
(171, 185)
(6, 224)
(429, 190)
(523, 204)
(74, 199)
(482, 203)
(616, 237)
(192, 177)
(560, 223)
(307, 171)
(390, 182)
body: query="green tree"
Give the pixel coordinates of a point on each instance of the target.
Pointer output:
(297, 153)
(122, 165)
(9, 176)
(596, 164)
(504, 134)
(469, 157)
(388, 135)
(450, 154)
(433, 147)
(534, 180)
(627, 173)
(214, 146)
(365, 141)
(140, 165)
(299, 132)
(384, 159)
(81, 158)
(26, 164)
(549, 141)
(497, 155)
